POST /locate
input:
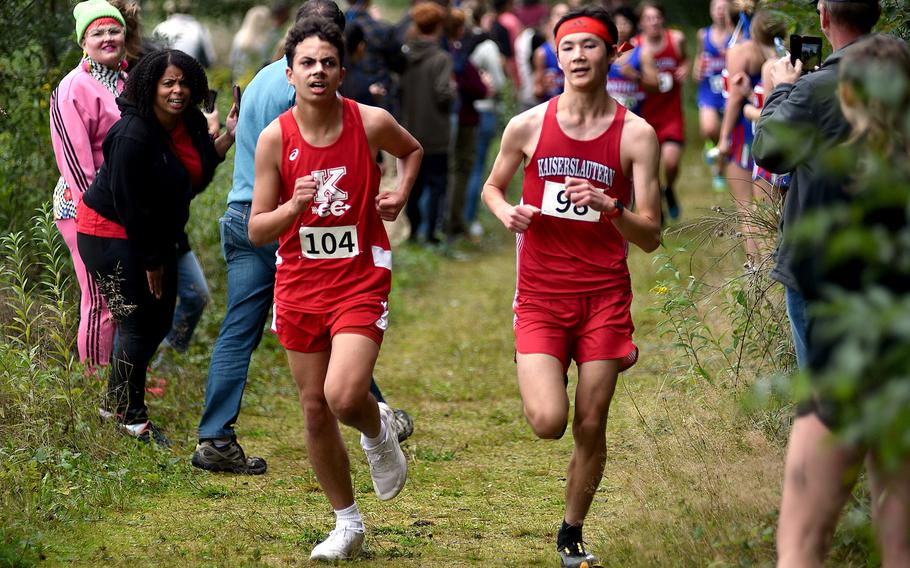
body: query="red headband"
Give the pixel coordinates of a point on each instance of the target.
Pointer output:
(584, 24)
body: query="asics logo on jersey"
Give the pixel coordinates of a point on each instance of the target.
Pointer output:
(329, 197)
(294, 153)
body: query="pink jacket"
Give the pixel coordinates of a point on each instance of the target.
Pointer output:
(82, 111)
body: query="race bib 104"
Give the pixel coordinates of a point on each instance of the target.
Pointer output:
(557, 204)
(329, 242)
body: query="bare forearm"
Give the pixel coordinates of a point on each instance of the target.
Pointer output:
(639, 229)
(494, 198)
(265, 227)
(408, 167)
(223, 143)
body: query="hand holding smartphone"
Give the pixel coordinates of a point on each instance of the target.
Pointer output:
(807, 49)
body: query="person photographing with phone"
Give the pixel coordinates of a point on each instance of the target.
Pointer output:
(807, 105)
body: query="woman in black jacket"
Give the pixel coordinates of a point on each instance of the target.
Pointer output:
(130, 223)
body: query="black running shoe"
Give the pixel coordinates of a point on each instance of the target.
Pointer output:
(574, 555)
(571, 548)
(227, 458)
(146, 432)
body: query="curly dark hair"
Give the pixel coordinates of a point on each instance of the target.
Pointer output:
(142, 83)
(595, 12)
(309, 27)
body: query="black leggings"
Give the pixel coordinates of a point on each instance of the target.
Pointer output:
(142, 320)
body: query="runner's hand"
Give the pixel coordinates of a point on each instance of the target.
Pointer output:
(304, 190)
(741, 83)
(681, 73)
(155, 281)
(389, 204)
(581, 192)
(518, 218)
(723, 149)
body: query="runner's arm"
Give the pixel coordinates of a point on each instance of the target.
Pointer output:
(697, 71)
(649, 80)
(736, 69)
(384, 133)
(642, 226)
(516, 218)
(683, 70)
(268, 218)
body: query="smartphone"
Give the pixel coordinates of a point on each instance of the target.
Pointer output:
(808, 49)
(236, 91)
(209, 104)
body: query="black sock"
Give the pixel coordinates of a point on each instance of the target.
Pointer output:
(568, 535)
(670, 197)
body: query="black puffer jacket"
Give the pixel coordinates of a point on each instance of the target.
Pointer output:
(144, 186)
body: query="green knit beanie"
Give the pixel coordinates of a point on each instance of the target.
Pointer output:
(89, 11)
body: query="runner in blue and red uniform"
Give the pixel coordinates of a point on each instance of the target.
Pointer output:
(581, 152)
(708, 72)
(624, 78)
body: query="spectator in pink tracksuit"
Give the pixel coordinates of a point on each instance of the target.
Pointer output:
(83, 109)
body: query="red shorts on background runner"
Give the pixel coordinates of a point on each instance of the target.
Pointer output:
(590, 328)
(312, 333)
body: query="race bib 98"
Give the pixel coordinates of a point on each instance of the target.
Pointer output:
(557, 204)
(329, 242)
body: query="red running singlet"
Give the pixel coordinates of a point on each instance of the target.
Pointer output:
(663, 110)
(337, 249)
(567, 250)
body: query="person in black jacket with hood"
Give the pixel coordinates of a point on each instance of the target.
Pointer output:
(157, 157)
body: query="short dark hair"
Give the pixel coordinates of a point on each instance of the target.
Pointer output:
(595, 12)
(326, 9)
(142, 83)
(652, 4)
(326, 30)
(860, 15)
(627, 13)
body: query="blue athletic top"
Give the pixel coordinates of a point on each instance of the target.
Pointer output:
(627, 92)
(711, 87)
(267, 96)
(551, 65)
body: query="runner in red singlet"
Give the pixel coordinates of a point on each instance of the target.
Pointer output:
(316, 190)
(665, 50)
(581, 153)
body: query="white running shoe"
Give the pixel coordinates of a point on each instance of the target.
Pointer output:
(343, 543)
(388, 466)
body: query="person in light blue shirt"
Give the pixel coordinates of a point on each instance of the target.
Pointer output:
(251, 276)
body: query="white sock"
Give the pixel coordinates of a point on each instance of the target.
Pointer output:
(349, 518)
(368, 442)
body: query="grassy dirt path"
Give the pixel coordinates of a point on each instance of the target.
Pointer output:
(686, 483)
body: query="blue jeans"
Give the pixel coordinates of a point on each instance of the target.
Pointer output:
(251, 283)
(192, 296)
(485, 131)
(799, 325)
(433, 177)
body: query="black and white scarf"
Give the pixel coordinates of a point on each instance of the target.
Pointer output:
(104, 75)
